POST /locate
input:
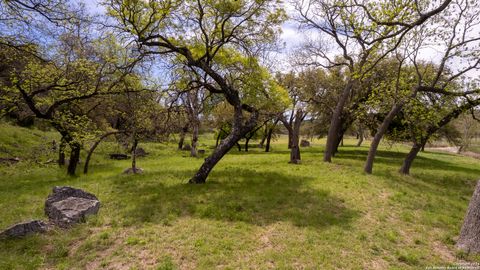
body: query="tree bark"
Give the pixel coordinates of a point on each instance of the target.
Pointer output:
(210, 162)
(408, 161)
(290, 139)
(182, 137)
(469, 239)
(134, 155)
(61, 152)
(94, 146)
(270, 134)
(269, 138)
(193, 150)
(336, 124)
(218, 138)
(293, 127)
(74, 158)
(239, 129)
(264, 137)
(382, 129)
(360, 137)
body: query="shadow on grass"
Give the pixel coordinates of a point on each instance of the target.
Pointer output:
(396, 158)
(429, 175)
(239, 195)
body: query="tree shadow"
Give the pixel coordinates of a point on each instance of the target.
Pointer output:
(425, 177)
(233, 194)
(396, 158)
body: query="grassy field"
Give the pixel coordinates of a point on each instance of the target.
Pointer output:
(255, 212)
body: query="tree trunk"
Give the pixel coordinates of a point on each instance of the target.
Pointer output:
(293, 127)
(182, 137)
(336, 124)
(338, 142)
(92, 149)
(270, 134)
(193, 150)
(290, 138)
(295, 150)
(469, 239)
(223, 148)
(74, 158)
(218, 139)
(264, 137)
(407, 162)
(238, 131)
(382, 129)
(61, 152)
(269, 138)
(246, 144)
(239, 146)
(134, 155)
(360, 137)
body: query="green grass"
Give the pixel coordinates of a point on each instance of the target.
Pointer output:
(256, 210)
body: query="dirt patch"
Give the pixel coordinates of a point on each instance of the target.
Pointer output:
(444, 252)
(454, 150)
(378, 263)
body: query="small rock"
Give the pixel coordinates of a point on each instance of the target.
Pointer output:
(130, 171)
(66, 206)
(9, 160)
(186, 147)
(118, 156)
(25, 228)
(305, 143)
(140, 152)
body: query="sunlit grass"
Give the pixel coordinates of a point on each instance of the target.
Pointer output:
(256, 211)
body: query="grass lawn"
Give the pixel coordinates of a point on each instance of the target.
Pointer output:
(256, 210)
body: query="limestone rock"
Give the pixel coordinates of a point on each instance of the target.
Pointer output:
(66, 206)
(305, 143)
(25, 228)
(118, 156)
(130, 171)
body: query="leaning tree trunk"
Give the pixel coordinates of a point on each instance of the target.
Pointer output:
(469, 239)
(360, 137)
(270, 134)
(94, 146)
(336, 124)
(61, 152)
(408, 161)
(269, 138)
(238, 131)
(224, 146)
(74, 158)
(338, 143)
(382, 129)
(193, 149)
